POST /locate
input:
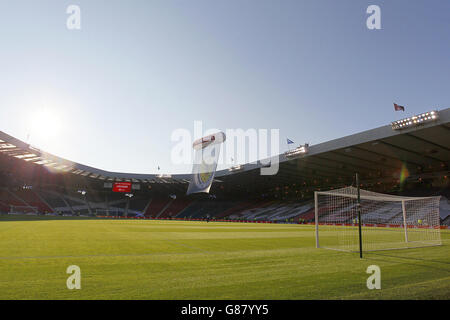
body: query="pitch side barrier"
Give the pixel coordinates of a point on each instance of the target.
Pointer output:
(195, 219)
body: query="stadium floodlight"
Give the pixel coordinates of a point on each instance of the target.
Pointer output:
(164, 175)
(83, 192)
(236, 168)
(129, 195)
(387, 221)
(297, 151)
(415, 120)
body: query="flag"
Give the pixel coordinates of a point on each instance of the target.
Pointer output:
(398, 108)
(205, 163)
(289, 141)
(158, 167)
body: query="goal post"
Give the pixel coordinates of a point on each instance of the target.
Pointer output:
(404, 220)
(387, 221)
(316, 218)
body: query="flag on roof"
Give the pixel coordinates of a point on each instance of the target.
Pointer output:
(289, 141)
(398, 108)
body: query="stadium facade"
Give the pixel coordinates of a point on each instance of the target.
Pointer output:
(411, 160)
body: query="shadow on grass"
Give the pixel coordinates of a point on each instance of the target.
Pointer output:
(13, 217)
(408, 260)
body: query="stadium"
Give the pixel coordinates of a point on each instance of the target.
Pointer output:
(139, 236)
(223, 159)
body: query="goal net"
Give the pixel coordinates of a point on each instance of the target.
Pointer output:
(107, 212)
(387, 221)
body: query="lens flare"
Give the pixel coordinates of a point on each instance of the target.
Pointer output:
(404, 174)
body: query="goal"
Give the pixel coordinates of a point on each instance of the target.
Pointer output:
(23, 210)
(107, 212)
(387, 221)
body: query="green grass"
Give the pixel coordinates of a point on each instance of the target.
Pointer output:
(137, 259)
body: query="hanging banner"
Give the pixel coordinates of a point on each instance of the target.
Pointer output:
(207, 150)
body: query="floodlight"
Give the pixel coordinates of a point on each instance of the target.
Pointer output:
(415, 120)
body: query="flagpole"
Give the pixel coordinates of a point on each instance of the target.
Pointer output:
(287, 141)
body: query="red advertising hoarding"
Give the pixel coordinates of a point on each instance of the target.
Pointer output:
(122, 187)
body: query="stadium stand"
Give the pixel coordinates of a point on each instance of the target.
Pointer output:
(444, 208)
(176, 207)
(52, 184)
(446, 221)
(239, 207)
(156, 206)
(55, 200)
(8, 199)
(137, 204)
(242, 213)
(203, 208)
(30, 198)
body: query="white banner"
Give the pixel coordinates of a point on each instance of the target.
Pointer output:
(207, 152)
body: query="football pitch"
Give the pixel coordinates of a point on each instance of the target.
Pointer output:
(150, 259)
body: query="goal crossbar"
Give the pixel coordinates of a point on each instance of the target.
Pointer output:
(373, 197)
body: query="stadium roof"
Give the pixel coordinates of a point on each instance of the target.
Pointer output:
(379, 155)
(376, 154)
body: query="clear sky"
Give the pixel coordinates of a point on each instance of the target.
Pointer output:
(111, 94)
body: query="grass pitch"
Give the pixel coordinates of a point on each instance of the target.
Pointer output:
(143, 259)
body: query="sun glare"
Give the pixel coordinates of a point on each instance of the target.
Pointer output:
(45, 125)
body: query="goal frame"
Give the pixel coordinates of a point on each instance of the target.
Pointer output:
(30, 209)
(388, 198)
(110, 212)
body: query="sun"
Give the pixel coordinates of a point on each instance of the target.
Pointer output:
(45, 125)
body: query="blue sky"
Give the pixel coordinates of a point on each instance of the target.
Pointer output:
(111, 94)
